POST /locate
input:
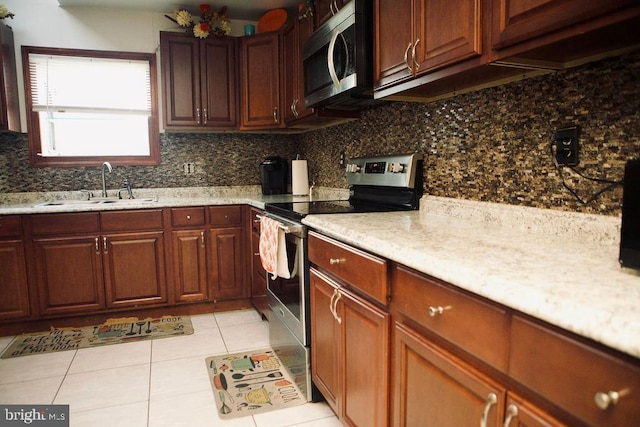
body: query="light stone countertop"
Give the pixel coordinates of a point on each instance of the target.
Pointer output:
(34, 202)
(559, 267)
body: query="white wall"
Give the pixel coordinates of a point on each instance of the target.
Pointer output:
(44, 23)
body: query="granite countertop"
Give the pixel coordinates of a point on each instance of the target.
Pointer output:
(34, 202)
(559, 267)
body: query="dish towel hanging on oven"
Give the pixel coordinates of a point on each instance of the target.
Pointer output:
(273, 249)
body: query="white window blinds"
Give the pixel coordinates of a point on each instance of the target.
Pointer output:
(97, 85)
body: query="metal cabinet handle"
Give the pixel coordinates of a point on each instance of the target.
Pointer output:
(406, 58)
(334, 261)
(198, 115)
(202, 237)
(97, 246)
(275, 114)
(295, 108)
(413, 55)
(204, 116)
(434, 311)
(492, 399)
(335, 308)
(333, 296)
(104, 245)
(512, 412)
(604, 400)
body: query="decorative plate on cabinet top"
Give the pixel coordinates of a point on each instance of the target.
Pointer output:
(273, 20)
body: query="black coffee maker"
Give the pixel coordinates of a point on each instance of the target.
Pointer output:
(274, 173)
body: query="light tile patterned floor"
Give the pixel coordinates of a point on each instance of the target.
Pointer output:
(151, 383)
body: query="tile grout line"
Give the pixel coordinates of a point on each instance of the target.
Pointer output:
(149, 388)
(64, 378)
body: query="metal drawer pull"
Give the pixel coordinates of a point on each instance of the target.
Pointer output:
(492, 399)
(97, 246)
(334, 261)
(104, 244)
(202, 237)
(603, 400)
(189, 217)
(512, 412)
(416, 64)
(434, 311)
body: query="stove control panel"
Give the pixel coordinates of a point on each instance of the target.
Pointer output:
(392, 171)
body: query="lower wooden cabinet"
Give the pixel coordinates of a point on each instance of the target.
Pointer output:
(190, 265)
(226, 262)
(433, 388)
(350, 364)
(134, 269)
(14, 291)
(69, 274)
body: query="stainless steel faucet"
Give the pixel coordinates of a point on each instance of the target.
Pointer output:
(105, 166)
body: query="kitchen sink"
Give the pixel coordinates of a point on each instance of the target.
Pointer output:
(96, 202)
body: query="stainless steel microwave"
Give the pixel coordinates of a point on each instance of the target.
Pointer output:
(338, 59)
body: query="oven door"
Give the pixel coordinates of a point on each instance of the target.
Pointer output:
(287, 297)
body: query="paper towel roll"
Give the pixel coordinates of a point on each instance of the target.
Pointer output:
(299, 178)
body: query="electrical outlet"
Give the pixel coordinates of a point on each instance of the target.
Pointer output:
(342, 159)
(189, 168)
(567, 146)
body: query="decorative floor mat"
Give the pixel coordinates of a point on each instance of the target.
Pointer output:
(251, 382)
(113, 331)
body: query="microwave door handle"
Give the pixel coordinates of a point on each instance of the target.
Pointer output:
(330, 63)
(346, 53)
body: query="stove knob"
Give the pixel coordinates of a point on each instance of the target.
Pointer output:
(396, 167)
(353, 168)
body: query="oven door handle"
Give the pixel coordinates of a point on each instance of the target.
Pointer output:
(288, 228)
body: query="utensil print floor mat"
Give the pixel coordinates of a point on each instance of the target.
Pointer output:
(113, 331)
(251, 382)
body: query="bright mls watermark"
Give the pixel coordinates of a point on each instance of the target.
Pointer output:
(35, 415)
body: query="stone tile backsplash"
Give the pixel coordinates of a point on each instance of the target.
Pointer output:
(490, 145)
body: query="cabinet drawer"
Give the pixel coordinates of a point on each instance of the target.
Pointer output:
(10, 225)
(570, 374)
(184, 217)
(360, 269)
(86, 222)
(150, 219)
(221, 216)
(477, 327)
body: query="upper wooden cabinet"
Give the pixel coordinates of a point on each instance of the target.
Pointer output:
(514, 21)
(427, 50)
(9, 107)
(199, 81)
(325, 9)
(260, 88)
(415, 37)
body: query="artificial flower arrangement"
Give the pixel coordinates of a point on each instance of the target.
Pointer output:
(211, 22)
(4, 12)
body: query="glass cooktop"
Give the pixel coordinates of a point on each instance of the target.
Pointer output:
(298, 210)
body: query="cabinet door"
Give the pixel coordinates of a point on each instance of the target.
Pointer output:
(14, 294)
(134, 269)
(260, 82)
(432, 388)
(515, 21)
(394, 38)
(219, 86)
(325, 9)
(69, 274)
(190, 265)
(226, 262)
(366, 372)
(180, 60)
(325, 341)
(9, 107)
(289, 70)
(450, 31)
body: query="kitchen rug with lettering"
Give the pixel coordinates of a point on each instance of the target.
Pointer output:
(113, 331)
(250, 383)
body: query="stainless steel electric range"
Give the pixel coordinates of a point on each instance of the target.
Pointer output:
(376, 184)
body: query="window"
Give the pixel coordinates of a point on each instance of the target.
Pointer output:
(86, 107)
